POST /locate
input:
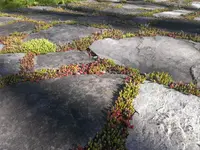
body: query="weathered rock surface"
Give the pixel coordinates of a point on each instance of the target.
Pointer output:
(4, 20)
(148, 54)
(57, 113)
(55, 60)
(25, 27)
(10, 64)
(172, 14)
(62, 34)
(167, 120)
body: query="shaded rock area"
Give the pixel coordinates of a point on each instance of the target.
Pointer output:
(177, 25)
(25, 27)
(10, 63)
(166, 120)
(57, 113)
(55, 60)
(148, 54)
(62, 34)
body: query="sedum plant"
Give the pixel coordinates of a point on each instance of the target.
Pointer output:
(38, 46)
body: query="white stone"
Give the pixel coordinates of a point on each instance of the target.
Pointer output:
(195, 5)
(172, 14)
(166, 120)
(197, 18)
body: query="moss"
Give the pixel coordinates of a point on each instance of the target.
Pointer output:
(115, 131)
(38, 46)
(192, 15)
(93, 5)
(160, 77)
(84, 43)
(12, 42)
(146, 31)
(166, 79)
(186, 88)
(150, 13)
(27, 62)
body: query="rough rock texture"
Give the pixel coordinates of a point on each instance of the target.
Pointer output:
(172, 14)
(149, 54)
(196, 73)
(4, 20)
(55, 114)
(63, 33)
(25, 27)
(166, 120)
(10, 64)
(55, 60)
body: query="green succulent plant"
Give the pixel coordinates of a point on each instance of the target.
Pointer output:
(38, 46)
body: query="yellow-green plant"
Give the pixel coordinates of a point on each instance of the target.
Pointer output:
(38, 46)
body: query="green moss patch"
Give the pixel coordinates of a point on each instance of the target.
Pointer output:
(12, 42)
(38, 46)
(167, 80)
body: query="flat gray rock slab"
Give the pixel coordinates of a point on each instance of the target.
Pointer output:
(5, 20)
(149, 54)
(25, 27)
(56, 60)
(57, 113)
(140, 6)
(172, 14)
(123, 11)
(63, 33)
(10, 63)
(167, 120)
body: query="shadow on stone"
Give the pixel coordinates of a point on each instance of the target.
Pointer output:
(114, 19)
(55, 113)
